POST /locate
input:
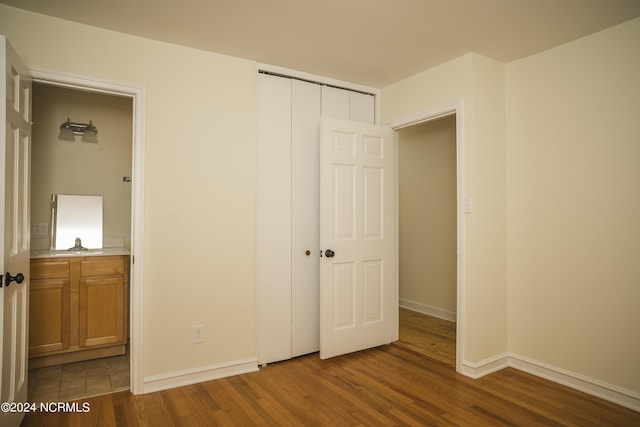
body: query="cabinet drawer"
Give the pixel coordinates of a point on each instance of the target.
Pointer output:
(49, 269)
(102, 267)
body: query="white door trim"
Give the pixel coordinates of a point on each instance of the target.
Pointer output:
(138, 96)
(425, 116)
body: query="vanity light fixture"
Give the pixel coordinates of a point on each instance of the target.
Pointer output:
(68, 131)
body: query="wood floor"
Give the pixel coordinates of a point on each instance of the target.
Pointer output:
(434, 338)
(391, 385)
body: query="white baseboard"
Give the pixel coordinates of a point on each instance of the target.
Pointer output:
(484, 367)
(198, 375)
(618, 395)
(428, 310)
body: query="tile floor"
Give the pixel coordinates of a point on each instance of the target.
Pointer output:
(79, 380)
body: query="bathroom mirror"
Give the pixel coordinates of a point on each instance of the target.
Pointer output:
(76, 217)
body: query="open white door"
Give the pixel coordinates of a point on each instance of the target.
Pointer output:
(358, 279)
(15, 131)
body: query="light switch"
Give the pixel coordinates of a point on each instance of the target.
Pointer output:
(41, 229)
(468, 204)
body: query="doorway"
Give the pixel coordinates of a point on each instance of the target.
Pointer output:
(428, 294)
(76, 167)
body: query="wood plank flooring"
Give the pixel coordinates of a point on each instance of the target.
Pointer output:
(427, 335)
(386, 386)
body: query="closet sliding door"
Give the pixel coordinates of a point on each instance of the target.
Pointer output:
(305, 217)
(274, 219)
(348, 105)
(288, 222)
(288, 265)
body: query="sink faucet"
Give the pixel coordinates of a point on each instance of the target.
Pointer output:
(78, 246)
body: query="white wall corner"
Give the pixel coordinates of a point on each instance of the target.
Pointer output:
(618, 395)
(198, 375)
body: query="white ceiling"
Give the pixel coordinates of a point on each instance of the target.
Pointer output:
(370, 42)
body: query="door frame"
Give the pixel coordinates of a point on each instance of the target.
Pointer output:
(136, 301)
(456, 109)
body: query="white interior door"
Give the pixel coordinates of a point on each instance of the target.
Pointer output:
(14, 227)
(358, 279)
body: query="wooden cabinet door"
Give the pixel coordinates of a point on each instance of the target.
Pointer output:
(49, 315)
(101, 311)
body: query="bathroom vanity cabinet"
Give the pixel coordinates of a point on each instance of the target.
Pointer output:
(78, 307)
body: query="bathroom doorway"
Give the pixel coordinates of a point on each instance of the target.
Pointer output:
(77, 167)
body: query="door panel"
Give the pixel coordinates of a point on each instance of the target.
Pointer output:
(358, 282)
(49, 320)
(305, 217)
(348, 105)
(335, 102)
(274, 219)
(361, 107)
(15, 153)
(344, 180)
(101, 311)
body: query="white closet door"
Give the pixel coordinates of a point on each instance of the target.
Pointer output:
(274, 219)
(289, 209)
(361, 107)
(335, 103)
(348, 105)
(305, 224)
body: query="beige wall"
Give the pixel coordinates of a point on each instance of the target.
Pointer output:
(427, 197)
(478, 84)
(573, 186)
(200, 181)
(76, 167)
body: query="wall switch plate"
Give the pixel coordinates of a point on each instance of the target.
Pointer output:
(197, 334)
(468, 204)
(40, 229)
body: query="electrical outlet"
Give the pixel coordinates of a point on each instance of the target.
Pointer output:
(197, 334)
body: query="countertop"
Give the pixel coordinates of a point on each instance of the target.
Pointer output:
(90, 252)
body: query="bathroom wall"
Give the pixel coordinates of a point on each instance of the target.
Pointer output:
(83, 168)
